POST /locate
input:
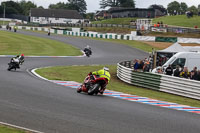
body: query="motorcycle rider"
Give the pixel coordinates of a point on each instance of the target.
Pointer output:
(103, 73)
(88, 48)
(18, 60)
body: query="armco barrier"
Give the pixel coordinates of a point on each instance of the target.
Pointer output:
(170, 84)
(146, 80)
(180, 86)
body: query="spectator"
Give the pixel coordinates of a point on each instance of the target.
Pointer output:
(193, 75)
(141, 64)
(185, 73)
(161, 24)
(159, 70)
(177, 71)
(158, 24)
(136, 64)
(146, 66)
(198, 75)
(169, 70)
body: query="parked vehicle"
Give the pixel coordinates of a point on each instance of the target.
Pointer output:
(184, 59)
(93, 85)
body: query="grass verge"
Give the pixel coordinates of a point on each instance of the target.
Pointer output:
(6, 129)
(125, 21)
(78, 73)
(13, 43)
(179, 20)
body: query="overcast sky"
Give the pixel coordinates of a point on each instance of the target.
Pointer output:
(93, 5)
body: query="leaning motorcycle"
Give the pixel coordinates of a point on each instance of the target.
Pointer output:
(93, 85)
(14, 64)
(87, 52)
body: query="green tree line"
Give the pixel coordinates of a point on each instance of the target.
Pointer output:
(23, 7)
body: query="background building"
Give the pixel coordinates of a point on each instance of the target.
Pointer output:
(48, 16)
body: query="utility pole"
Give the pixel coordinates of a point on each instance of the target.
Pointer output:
(4, 12)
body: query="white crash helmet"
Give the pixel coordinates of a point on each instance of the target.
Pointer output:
(87, 46)
(106, 68)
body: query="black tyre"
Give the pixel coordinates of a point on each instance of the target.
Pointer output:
(94, 89)
(10, 67)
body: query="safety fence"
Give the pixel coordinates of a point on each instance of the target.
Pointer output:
(111, 35)
(170, 84)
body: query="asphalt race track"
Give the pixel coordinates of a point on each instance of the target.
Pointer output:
(30, 102)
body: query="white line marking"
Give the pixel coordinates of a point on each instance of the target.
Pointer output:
(18, 127)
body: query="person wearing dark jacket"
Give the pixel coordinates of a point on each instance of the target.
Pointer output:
(169, 70)
(177, 71)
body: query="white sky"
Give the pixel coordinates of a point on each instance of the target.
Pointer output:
(93, 5)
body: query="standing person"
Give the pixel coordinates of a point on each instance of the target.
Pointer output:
(169, 70)
(198, 75)
(15, 28)
(136, 65)
(49, 32)
(177, 71)
(185, 73)
(194, 74)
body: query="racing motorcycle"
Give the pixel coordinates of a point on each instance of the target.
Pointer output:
(14, 63)
(93, 85)
(87, 52)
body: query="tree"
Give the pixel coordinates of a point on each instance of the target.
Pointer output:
(12, 7)
(79, 5)
(183, 7)
(41, 7)
(26, 6)
(199, 8)
(173, 8)
(193, 9)
(117, 3)
(60, 5)
(127, 3)
(90, 16)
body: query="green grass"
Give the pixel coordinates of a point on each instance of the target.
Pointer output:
(78, 73)
(5, 129)
(179, 20)
(13, 43)
(125, 21)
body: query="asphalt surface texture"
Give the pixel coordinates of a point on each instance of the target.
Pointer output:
(30, 102)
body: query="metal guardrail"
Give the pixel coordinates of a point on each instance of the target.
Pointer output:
(170, 84)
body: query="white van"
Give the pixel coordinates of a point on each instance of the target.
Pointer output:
(184, 59)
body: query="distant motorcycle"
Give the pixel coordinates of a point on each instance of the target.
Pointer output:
(87, 52)
(93, 85)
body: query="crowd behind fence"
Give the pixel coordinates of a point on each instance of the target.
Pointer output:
(146, 65)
